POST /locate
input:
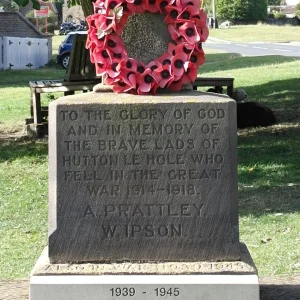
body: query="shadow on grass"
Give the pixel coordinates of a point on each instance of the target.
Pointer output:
(269, 175)
(237, 62)
(277, 94)
(11, 150)
(275, 199)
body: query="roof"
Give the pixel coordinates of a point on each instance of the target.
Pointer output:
(15, 25)
(289, 10)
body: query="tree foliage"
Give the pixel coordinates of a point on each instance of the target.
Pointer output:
(22, 3)
(242, 10)
(276, 2)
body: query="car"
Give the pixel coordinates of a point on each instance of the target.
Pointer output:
(65, 48)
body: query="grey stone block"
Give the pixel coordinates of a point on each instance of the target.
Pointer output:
(143, 178)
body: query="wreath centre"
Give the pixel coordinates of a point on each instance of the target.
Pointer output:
(146, 37)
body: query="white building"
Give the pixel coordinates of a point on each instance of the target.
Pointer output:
(292, 2)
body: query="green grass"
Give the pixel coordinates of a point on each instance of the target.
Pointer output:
(269, 160)
(23, 205)
(15, 94)
(258, 33)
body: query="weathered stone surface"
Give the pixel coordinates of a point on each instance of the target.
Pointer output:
(143, 178)
(146, 36)
(244, 266)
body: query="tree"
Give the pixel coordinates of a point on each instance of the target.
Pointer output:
(242, 10)
(208, 6)
(7, 5)
(276, 2)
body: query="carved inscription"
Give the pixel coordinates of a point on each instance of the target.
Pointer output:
(136, 164)
(148, 268)
(143, 178)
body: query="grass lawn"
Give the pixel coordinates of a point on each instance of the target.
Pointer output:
(269, 160)
(258, 33)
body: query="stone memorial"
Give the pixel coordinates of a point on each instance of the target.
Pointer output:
(143, 178)
(143, 185)
(143, 196)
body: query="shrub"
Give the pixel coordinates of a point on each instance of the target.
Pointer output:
(279, 16)
(298, 14)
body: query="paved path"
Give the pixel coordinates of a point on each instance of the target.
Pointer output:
(254, 49)
(272, 288)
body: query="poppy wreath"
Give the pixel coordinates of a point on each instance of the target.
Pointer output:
(186, 23)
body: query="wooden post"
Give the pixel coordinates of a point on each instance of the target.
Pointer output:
(214, 13)
(46, 25)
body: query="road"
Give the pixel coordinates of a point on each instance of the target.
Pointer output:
(254, 49)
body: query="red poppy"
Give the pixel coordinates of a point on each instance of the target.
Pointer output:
(140, 68)
(128, 70)
(93, 40)
(178, 62)
(136, 6)
(105, 23)
(189, 31)
(183, 48)
(197, 58)
(165, 59)
(190, 74)
(188, 13)
(100, 69)
(112, 69)
(110, 81)
(103, 56)
(114, 43)
(146, 82)
(129, 65)
(150, 5)
(99, 6)
(112, 4)
(163, 75)
(172, 13)
(153, 65)
(200, 19)
(175, 34)
(122, 87)
(204, 34)
(119, 86)
(162, 4)
(175, 86)
(184, 3)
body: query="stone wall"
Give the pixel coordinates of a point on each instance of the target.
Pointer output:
(75, 12)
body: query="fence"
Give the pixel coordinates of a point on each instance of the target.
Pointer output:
(23, 53)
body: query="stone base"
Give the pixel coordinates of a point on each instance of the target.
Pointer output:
(146, 287)
(245, 266)
(151, 280)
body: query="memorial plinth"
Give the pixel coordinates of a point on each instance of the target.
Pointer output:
(143, 200)
(136, 178)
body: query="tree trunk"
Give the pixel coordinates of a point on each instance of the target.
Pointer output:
(87, 7)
